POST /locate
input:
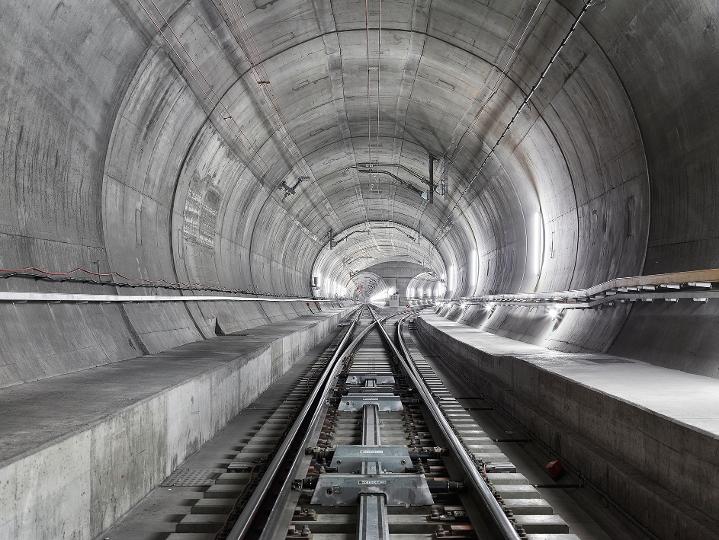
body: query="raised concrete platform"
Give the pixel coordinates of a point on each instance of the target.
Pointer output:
(160, 514)
(79, 450)
(647, 436)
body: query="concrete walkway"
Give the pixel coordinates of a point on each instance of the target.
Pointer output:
(90, 444)
(691, 400)
(646, 435)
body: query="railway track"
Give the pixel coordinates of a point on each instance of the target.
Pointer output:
(370, 445)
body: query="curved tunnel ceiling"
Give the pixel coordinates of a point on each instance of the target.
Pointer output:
(297, 94)
(217, 142)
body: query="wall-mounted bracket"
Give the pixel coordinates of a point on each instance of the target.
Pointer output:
(291, 190)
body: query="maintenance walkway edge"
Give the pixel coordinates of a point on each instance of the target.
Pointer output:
(645, 435)
(77, 451)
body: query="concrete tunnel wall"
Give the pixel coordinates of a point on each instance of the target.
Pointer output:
(151, 148)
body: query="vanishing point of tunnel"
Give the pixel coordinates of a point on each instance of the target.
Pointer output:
(375, 269)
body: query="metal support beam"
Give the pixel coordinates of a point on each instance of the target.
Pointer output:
(373, 523)
(370, 427)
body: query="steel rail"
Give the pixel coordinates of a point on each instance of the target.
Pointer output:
(505, 526)
(312, 426)
(24, 297)
(312, 406)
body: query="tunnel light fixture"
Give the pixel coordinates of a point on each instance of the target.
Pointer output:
(556, 314)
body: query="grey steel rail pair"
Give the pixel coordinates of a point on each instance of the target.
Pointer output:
(505, 526)
(312, 406)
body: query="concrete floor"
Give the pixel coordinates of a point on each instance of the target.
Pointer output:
(690, 400)
(201, 142)
(157, 514)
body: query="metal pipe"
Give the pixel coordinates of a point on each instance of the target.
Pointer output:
(496, 511)
(392, 175)
(369, 165)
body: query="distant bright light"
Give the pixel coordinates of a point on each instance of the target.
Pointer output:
(440, 289)
(554, 312)
(381, 296)
(451, 279)
(536, 248)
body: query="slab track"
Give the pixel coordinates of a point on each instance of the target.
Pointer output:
(370, 444)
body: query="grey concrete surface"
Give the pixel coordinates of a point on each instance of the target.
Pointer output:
(584, 509)
(79, 450)
(647, 436)
(157, 514)
(141, 137)
(154, 138)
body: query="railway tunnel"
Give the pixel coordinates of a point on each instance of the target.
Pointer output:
(344, 269)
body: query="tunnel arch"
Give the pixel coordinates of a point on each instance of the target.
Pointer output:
(214, 147)
(363, 247)
(301, 208)
(156, 130)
